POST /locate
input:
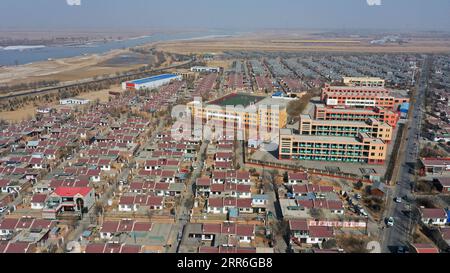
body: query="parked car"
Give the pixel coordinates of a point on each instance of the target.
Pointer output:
(398, 199)
(401, 249)
(3, 209)
(363, 213)
(390, 221)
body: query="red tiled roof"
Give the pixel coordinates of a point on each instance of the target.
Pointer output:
(228, 228)
(243, 188)
(321, 232)
(126, 200)
(130, 249)
(208, 249)
(8, 224)
(215, 202)
(72, 191)
(295, 225)
(142, 226)
(434, 213)
(436, 161)
(204, 181)
(245, 230)
(311, 188)
(17, 247)
(125, 226)
(217, 187)
(38, 198)
(155, 201)
(162, 186)
(244, 203)
(95, 248)
(242, 250)
(332, 204)
(24, 223)
(298, 176)
(4, 182)
(242, 175)
(109, 226)
(211, 228)
(425, 248)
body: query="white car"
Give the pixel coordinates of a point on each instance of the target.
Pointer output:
(3, 209)
(390, 222)
(398, 200)
(363, 213)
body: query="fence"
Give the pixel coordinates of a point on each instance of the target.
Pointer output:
(288, 167)
(117, 216)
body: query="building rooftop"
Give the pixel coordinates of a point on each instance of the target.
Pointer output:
(236, 99)
(154, 78)
(331, 139)
(349, 110)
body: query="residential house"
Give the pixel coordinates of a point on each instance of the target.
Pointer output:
(433, 216)
(302, 232)
(297, 178)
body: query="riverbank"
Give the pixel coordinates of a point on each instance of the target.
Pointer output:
(67, 69)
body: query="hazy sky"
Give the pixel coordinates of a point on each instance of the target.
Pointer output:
(237, 14)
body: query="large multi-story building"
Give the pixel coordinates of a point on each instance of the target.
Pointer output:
(243, 111)
(151, 82)
(363, 81)
(351, 114)
(360, 97)
(362, 148)
(373, 127)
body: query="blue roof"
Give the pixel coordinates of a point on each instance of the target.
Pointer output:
(154, 78)
(404, 105)
(278, 94)
(233, 212)
(260, 196)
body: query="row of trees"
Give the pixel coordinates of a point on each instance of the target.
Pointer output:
(25, 86)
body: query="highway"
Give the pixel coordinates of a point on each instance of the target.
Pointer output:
(399, 234)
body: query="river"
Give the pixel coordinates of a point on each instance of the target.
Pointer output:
(23, 55)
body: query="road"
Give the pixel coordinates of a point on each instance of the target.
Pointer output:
(186, 202)
(81, 82)
(399, 234)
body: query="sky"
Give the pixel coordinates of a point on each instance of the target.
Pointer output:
(227, 14)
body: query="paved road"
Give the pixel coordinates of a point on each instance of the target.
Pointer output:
(183, 210)
(399, 234)
(273, 206)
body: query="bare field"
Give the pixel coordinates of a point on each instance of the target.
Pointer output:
(102, 95)
(292, 45)
(29, 111)
(23, 113)
(67, 69)
(226, 64)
